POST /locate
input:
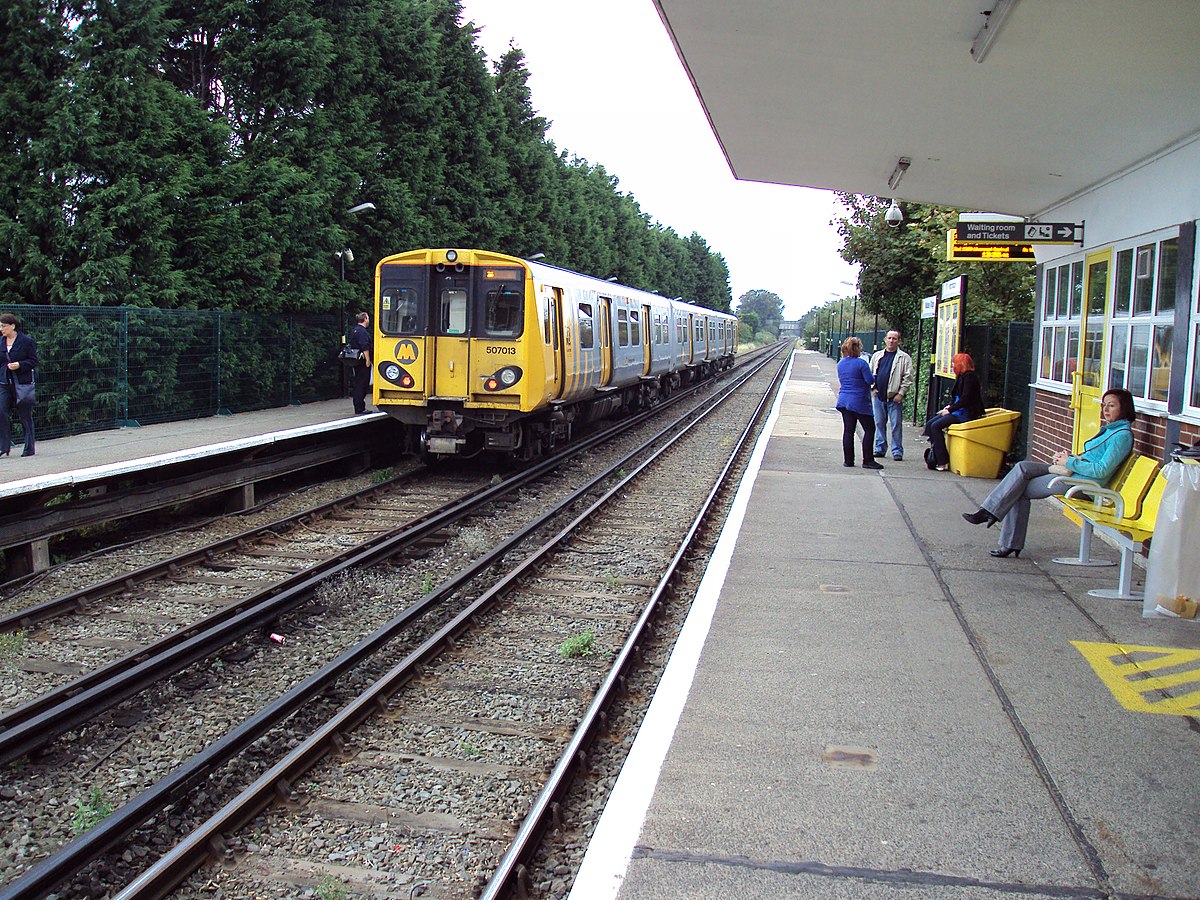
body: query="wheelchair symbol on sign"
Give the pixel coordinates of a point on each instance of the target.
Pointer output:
(407, 352)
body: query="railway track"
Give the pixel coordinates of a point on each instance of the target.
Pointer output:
(305, 699)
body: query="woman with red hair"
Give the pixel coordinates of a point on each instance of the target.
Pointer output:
(966, 405)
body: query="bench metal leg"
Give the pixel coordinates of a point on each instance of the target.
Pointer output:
(1085, 550)
(1124, 590)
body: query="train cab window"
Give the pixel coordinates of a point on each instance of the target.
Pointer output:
(502, 291)
(453, 311)
(587, 331)
(635, 328)
(402, 293)
(622, 327)
(399, 310)
(503, 308)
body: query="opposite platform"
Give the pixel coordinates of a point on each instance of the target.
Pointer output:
(863, 703)
(122, 448)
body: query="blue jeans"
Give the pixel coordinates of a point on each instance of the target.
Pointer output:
(889, 419)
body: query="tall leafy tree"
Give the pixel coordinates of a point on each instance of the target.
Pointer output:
(766, 305)
(34, 58)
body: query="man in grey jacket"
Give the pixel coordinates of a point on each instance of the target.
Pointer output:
(893, 371)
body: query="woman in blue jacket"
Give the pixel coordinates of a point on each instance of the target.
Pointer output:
(854, 403)
(1101, 457)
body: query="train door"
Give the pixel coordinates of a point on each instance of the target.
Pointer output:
(647, 340)
(689, 348)
(1086, 383)
(451, 362)
(556, 339)
(606, 352)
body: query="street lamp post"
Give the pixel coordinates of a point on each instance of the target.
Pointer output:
(854, 312)
(344, 256)
(347, 255)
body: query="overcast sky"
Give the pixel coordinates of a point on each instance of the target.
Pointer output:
(606, 75)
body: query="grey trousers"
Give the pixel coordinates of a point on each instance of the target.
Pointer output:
(1009, 500)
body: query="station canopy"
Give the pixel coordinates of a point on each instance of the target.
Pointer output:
(834, 93)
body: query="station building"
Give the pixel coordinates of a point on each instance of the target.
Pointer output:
(1084, 112)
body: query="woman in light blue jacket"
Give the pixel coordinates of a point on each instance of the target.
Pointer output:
(1101, 457)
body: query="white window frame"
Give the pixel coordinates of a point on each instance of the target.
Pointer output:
(1145, 324)
(1058, 324)
(1191, 400)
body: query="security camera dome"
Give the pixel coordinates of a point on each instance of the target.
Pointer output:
(893, 216)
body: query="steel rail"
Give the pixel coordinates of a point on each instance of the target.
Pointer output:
(166, 873)
(509, 875)
(69, 859)
(78, 600)
(34, 724)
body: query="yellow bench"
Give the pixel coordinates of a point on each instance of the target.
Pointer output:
(977, 447)
(1124, 511)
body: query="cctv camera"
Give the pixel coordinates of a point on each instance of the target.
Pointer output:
(893, 216)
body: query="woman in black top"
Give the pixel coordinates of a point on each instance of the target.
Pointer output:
(966, 405)
(18, 358)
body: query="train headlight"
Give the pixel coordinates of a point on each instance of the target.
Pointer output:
(397, 376)
(451, 255)
(504, 378)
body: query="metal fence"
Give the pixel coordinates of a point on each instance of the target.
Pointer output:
(110, 367)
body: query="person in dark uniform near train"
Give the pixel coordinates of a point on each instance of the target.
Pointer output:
(360, 339)
(18, 359)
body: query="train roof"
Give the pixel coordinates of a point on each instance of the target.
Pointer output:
(543, 271)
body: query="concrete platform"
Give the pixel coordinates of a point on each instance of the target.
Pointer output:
(865, 704)
(125, 449)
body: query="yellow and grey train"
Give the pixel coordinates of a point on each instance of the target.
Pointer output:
(478, 351)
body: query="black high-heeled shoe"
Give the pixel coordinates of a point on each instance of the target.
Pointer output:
(981, 516)
(1004, 554)
(5, 453)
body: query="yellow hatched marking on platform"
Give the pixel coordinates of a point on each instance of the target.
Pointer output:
(1127, 672)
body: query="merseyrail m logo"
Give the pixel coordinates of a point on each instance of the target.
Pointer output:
(1148, 679)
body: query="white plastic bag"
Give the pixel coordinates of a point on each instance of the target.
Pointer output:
(1173, 569)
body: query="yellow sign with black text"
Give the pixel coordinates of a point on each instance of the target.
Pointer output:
(976, 251)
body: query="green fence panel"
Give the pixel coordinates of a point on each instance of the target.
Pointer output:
(109, 367)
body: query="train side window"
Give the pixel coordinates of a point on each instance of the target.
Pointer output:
(587, 331)
(503, 312)
(622, 327)
(635, 328)
(454, 312)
